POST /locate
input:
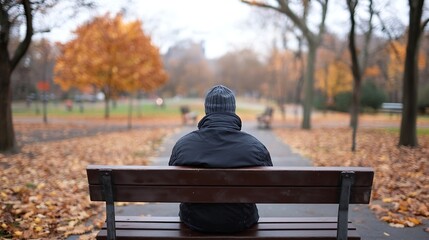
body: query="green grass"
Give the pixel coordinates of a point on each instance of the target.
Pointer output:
(92, 110)
(147, 109)
(420, 131)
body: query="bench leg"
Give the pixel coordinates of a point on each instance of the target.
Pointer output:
(347, 178)
(106, 179)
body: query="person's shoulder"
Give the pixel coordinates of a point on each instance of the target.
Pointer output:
(250, 137)
(187, 137)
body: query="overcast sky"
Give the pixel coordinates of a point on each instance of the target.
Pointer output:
(222, 25)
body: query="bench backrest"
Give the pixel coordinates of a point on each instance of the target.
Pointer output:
(244, 185)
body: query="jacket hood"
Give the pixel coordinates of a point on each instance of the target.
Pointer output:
(221, 120)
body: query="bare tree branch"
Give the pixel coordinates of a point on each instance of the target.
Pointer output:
(324, 5)
(23, 46)
(425, 23)
(284, 8)
(5, 26)
(259, 4)
(389, 35)
(299, 22)
(368, 36)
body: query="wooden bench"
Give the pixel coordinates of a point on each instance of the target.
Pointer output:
(306, 185)
(265, 119)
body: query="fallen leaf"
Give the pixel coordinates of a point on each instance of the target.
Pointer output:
(397, 225)
(414, 220)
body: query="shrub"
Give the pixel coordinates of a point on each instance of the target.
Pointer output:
(371, 96)
(423, 98)
(319, 101)
(343, 101)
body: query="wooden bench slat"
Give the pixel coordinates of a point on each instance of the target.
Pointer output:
(201, 194)
(265, 224)
(269, 234)
(260, 226)
(261, 219)
(278, 176)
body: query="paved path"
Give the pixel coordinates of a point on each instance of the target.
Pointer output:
(368, 226)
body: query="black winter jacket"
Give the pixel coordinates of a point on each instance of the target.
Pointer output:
(219, 143)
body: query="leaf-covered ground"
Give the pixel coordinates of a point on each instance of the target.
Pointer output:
(401, 185)
(43, 190)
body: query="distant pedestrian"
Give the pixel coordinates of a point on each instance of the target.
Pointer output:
(69, 105)
(219, 143)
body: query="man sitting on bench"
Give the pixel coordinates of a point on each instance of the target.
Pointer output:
(219, 143)
(264, 120)
(187, 115)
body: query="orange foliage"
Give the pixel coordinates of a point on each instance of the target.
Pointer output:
(111, 55)
(396, 61)
(336, 77)
(372, 71)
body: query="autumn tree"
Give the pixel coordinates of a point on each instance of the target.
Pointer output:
(146, 81)
(189, 70)
(14, 15)
(408, 132)
(389, 67)
(313, 38)
(111, 55)
(282, 70)
(334, 77)
(242, 70)
(393, 68)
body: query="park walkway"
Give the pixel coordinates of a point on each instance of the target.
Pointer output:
(368, 226)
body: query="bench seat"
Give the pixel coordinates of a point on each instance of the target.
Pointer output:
(131, 227)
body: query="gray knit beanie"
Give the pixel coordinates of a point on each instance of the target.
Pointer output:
(220, 99)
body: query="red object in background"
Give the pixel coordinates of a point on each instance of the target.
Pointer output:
(43, 86)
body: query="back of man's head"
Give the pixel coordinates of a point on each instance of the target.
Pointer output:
(219, 99)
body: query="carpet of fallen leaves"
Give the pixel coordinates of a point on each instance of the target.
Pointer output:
(43, 190)
(401, 184)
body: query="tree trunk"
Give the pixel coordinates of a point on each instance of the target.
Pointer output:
(7, 65)
(45, 110)
(355, 72)
(355, 110)
(139, 106)
(309, 85)
(7, 136)
(106, 107)
(408, 132)
(130, 111)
